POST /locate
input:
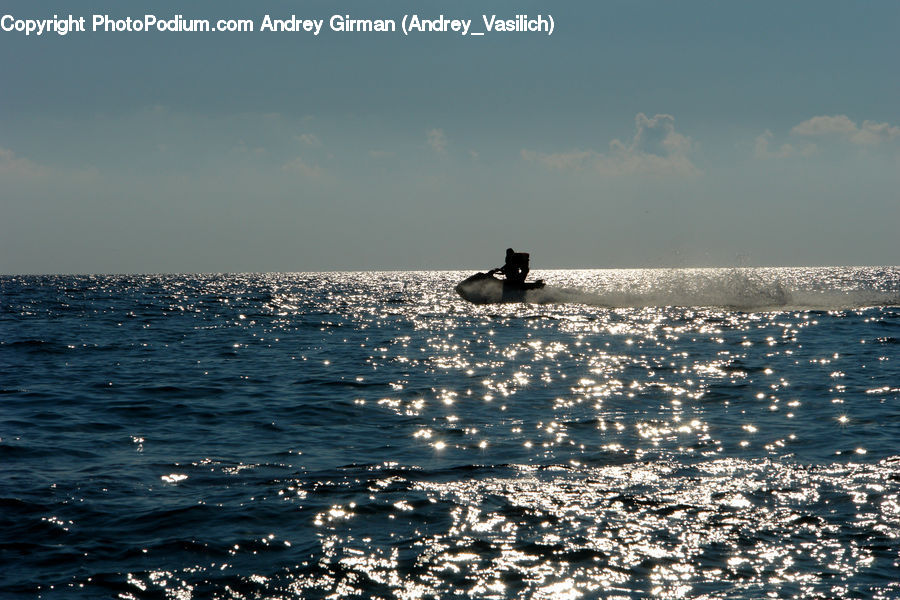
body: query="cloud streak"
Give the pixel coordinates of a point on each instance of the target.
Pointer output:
(437, 140)
(13, 165)
(310, 139)
(762, 149)
(298, 165)
(828, 129)
(656, 148)
(868, 133)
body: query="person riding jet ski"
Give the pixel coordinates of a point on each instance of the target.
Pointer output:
(486, 288)
(516, 267)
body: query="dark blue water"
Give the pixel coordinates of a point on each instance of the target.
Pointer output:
(711, 433)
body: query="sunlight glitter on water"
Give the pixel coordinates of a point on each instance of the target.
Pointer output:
(692, 433)
(640, 529)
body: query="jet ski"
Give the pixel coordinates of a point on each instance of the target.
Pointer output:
(485, 288)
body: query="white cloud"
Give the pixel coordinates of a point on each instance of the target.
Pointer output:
(762, 150)
(656, 136)
(825, 125)
(656, 148)
(437, 140)
(298, 165)
(310, 139)
(10, 164)
(873, 133)
(868, 133)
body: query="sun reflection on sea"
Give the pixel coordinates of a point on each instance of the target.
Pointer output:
(646, 433)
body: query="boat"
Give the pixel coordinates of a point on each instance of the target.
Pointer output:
(485, 288)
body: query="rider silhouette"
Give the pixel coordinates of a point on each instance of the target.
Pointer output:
(516, 267)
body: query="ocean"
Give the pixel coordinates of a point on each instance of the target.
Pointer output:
(674, 433)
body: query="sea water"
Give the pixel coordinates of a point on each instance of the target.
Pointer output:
(730, 433)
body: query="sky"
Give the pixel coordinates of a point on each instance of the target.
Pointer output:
(636, 134)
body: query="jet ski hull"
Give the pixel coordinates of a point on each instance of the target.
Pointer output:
(483, 288)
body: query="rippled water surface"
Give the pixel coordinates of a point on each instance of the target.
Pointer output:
(628, 434)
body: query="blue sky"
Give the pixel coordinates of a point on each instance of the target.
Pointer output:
(638, 134)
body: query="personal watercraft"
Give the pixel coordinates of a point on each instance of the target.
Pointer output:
(485, 288)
